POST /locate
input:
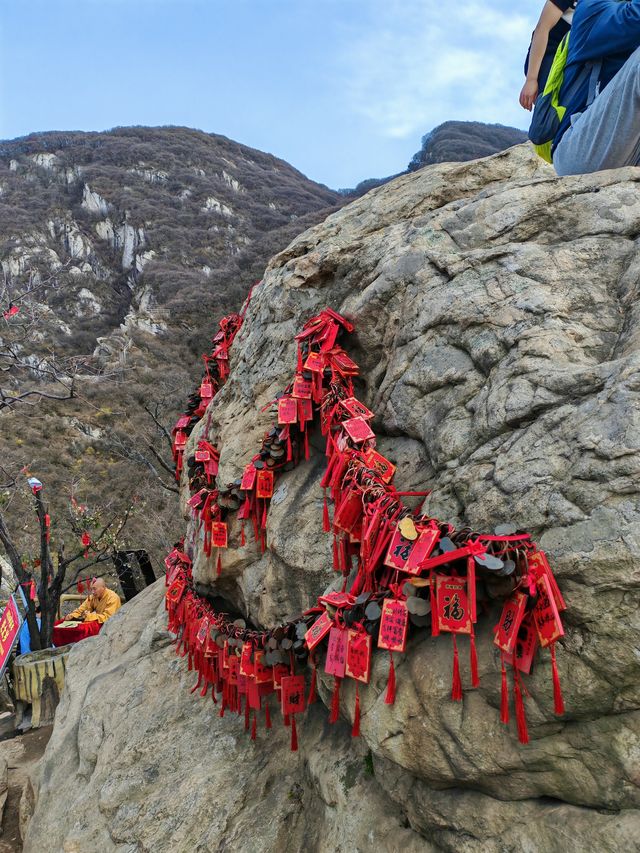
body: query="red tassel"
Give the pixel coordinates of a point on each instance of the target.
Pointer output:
(435, 630)
(312, 689)
(523, 734)
(294, 734)
(336, 564)
(247, 713)
(342, 555)
(504, 698)
(219, 565)
(390, 698)
(243, 541)
(264, 515)
(335, 701)
(456, 682)
(254, 726)
(306, 444)
(289, 450)
(473, 661)
(558, 701)
(326, 524)
(267, 716)
(198, 684)
(355, 731)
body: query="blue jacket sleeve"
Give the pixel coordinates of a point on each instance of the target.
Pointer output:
(615, 28)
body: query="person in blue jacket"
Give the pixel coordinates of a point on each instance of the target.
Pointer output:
(601, 132)
(24, 638)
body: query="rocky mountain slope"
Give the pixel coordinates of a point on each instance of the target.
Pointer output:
(496, 330)
(131, 243)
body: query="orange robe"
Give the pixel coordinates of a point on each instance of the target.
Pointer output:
(95, 609)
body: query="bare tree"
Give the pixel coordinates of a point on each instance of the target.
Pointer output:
(51, 583)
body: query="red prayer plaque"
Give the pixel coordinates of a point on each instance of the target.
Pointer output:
(539, 564)
(526, 645)
(172, 573)
(180, 440)
(421, 548)
(203, 631)
(356, 409)
(337, 599)
(358, 430)
(206, 389)
(280, 671)
(287, 410)
(358, 663)
(253, 694)
(545, 613)
(202, 456)
(314, 362)
(509, 624)
(220, 352)
(338, 318)
(344, 364)
(336, 652)
(393, 625)
(301, 388)
(318, 631)
(243, 683)
(452, 605)
(182, 422)
(219, 534)
(211, 647)
(264, 488)
(292, 699)
(176, 590)
(263, 674)
(327, 337)
(348, 512)
(246, 664)
(305, 411)
(383, 468)
(399, 550)
(248, 478)
(194, 500)
(234, 668)
(211, 467)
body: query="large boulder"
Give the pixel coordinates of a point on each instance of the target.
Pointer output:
(498, 333)
(135, 763)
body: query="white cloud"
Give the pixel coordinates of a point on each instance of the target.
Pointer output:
(415, 64)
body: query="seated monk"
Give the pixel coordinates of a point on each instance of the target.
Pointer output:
(98, 607)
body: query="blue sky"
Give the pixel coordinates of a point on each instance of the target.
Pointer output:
(342, 89)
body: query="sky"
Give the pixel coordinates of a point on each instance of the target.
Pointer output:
(341, 89)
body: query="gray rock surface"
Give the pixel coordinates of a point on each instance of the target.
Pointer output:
(497, 329)
(137, 764)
